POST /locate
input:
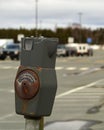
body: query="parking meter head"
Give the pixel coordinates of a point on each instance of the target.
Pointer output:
(36, 82)
(39, 52)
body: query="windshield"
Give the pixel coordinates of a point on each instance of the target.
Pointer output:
(60, 46)
(11, 47)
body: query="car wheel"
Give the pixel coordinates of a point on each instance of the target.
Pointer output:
(3, 57)
(12, 58)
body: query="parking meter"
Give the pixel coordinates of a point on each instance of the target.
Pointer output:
(35, 82)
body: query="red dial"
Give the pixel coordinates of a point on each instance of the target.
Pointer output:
(27, 84)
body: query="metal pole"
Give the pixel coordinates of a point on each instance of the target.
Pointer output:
(41, 126)
(36, 18)
(34, 124)
(80, 21)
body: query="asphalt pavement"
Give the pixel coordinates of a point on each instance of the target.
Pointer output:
(79, 103)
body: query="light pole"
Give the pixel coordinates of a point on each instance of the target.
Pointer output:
(36, 18)
(80, 22)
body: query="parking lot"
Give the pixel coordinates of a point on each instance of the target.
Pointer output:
(80, 95)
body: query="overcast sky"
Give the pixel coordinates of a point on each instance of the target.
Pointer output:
(21, 13)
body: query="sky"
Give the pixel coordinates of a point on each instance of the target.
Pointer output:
(51, 13)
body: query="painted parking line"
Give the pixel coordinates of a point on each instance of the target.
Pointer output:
(7, 116)
(8, 67)
(65, 93)
(56, 68)
(78, 89)
(6, 90)
(11, 121)
(84, 68)
(59, 68)
(71, 68)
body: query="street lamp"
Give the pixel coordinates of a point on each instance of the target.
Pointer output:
(80, 21)
(36, 17)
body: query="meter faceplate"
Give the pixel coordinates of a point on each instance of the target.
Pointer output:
(27, 84)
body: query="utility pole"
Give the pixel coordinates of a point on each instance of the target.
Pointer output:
(36, 17)
(80, 22)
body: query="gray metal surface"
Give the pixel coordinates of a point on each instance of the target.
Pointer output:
(39, 52)
(38, 58)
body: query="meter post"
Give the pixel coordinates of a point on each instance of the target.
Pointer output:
(34, 124)
(36, 83)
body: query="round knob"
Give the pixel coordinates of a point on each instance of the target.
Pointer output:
(27, 84)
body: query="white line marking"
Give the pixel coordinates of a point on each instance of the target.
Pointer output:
(11, 121)
(7, 67)
(90, 71)
(11, 91)
(6, 90)
(84, 68)
(59, 68)
(71, 68)
(7, 116)
(96, 69)
(77, 89)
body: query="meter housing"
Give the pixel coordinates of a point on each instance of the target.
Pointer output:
(36, 82)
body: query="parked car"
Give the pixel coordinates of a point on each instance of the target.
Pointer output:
(77, 49)
(62, 50)
(12, 50)
(2, 43)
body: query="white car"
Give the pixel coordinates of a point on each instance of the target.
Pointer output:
(62, 50)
